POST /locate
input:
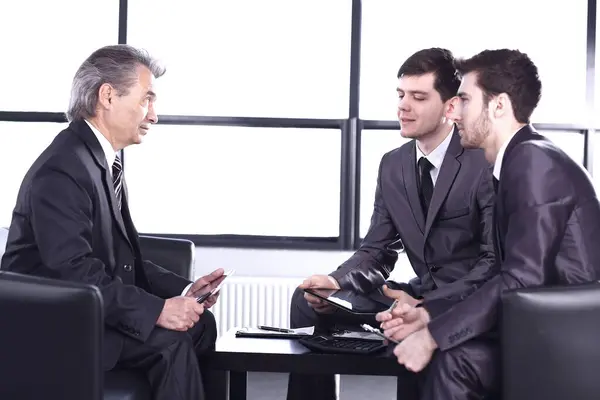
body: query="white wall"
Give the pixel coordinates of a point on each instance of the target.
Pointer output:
(282, 263)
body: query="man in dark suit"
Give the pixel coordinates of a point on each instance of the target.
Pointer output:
(433, 197)
(547, 215)
(72, 222)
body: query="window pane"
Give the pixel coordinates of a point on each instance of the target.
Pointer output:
(571, 143)
(41, 53)
(233, 180)
(596, 161)
(20, 144)
(260, 58)
(597, 74)
(374, 144)
(391, 33)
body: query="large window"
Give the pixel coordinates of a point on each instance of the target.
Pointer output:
(43, 43)
(259, 128)
(257, 58)
(20, 144)
(233, 180)
(374, 144)
(393, 30)
(597, 73)
(570, 142)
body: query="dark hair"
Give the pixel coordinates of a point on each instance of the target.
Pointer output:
(438, 61)
(506, 71)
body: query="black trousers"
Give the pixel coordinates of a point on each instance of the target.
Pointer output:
(467, 372)
(169, 359)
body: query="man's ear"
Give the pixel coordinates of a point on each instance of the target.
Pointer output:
(450, 108)
(502, 105)
(105, 95)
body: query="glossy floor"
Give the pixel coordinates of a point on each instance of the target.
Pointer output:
(271, 386)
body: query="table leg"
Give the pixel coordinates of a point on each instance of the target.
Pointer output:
(406, 388)
(237, 385)
(215, 384)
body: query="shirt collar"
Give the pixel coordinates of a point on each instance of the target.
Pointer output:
(500, 156)
(436, 157)
(107, 148)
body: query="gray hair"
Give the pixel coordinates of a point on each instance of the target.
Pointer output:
(116, 65)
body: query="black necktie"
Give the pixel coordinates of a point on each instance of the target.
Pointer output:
(496, 182)
(117, 170)
(426, 186)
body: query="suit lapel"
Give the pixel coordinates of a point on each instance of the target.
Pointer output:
(88, 137)
(498, 246)
(409, 174)
(524, 134)
(445, 179)
(129, 227)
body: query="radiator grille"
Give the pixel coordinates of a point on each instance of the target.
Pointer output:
(252, 301)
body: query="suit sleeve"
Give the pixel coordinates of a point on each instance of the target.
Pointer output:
(483, 268)
(372, 263)
(538, 203)
(164, 283)
(62, 223)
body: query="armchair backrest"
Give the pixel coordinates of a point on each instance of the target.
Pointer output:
(50, 339)
(551, 343)
(176, 255)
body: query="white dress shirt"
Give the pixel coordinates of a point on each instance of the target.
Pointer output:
(436, 157)
(111, 154)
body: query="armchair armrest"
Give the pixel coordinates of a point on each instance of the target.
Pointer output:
(176, 255)
(50, 339)
(550, 342)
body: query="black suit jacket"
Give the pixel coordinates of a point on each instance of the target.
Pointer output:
(547, 229)
(67, 225)
(451, 251)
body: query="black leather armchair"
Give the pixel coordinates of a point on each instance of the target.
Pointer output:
(551, 343)
(50, 339)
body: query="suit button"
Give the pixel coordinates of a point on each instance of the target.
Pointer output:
(127, 267)
(434, 268)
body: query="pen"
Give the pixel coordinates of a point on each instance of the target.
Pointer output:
(394, 304)
(272, 329)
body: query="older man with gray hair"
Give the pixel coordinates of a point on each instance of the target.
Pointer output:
(72, 222)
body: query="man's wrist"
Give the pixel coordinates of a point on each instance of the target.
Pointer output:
(430, 340)
(334, 282)
(424, 315)
(187, 289)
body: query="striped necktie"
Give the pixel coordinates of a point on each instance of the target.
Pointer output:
(117, 174)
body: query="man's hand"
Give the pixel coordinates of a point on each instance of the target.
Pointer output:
(416, 350)
(319, 282)
(180, 313)
(402, 321)
(400, 295)
(200, 286)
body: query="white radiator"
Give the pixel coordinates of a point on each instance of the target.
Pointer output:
(252, 301)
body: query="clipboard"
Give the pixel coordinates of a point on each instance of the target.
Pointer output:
(248, 332)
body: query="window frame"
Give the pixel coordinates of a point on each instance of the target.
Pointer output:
(351, 127)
